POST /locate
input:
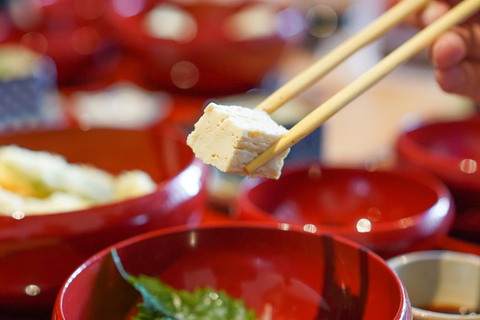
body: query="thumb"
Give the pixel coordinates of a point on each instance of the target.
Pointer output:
(463, 79)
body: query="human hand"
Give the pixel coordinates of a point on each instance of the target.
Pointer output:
(456, 53)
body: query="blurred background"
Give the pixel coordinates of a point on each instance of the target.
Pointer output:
(135, 63)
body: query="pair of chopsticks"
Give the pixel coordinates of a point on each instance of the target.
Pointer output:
(376, 29)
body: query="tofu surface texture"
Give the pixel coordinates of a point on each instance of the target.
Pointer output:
(229, 137)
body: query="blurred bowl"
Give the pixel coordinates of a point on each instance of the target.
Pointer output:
(449, 150)
(73, 33)
(205, 47)
(5, 24)
(390, 212)
(120, 105)
(454, 244)
(440, 284)
(38, 252)
(289, 272)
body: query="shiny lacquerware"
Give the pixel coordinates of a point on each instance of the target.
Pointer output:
(390, 212)
(37, 253)
(5, 25)
(451, 151)
(73, 33)
(208, 47)
(276, 269)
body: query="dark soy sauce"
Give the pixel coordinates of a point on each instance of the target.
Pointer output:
(450, 309)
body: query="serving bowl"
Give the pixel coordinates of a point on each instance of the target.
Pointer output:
(276, 269)
(451, 243)
(5, 25)
(449, 150)
(442, 285)
(38, 252)
(205, 47)
(73, 33)
(390, 212)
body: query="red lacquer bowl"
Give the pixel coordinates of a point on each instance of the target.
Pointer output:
(293, 273)
(75, 35)
(198, 54)
(5, 25)
(451, 151)
(41, 251)
(390, 212)
(454, 244)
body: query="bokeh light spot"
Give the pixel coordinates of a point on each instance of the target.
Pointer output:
(314, 172)
(321, 21)
(35, 41)
(289, 22)
(184, 74)
(18, 215)
(468, 166)
(32, 290)
(85, 40)
(171, 23)
(128, 8)
(364, 225)
(253, 22)
(374, 214)
(310, 228)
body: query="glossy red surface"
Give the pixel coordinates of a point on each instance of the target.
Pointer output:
(390, 212)
(458, 245)
(5, 25)
(223, 65)
(43, 250)
(450, 150)
(74, 34)
(298, 274)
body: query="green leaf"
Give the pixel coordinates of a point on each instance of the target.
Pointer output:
(163, 302)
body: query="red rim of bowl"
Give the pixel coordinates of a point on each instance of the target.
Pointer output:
(408, 148)
(58, 308)
(422, 177)
(118, 21)
(458, 245)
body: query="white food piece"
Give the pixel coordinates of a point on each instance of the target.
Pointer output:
(39, 182)
(229, 137)
(133, 183)
(56, 202)
(48, 172)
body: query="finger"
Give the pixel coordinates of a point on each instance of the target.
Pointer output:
(415, 20)
(471, 37)
(432, 12)
(463, 79)
(454, 46)
(448, 50)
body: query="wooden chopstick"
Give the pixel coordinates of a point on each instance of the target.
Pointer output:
(308, 77)
(408, 50)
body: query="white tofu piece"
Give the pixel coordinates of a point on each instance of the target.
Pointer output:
(229, 137)
(133, 183)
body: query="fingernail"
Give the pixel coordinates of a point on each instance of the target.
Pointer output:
(432, 55)
(432, 12)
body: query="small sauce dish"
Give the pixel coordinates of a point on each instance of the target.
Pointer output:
(440, 284)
